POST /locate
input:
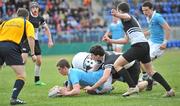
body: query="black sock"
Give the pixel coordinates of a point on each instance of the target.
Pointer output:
(157, 77)
(36, 78)
(123, 72)
(150, 81)
(17, 88)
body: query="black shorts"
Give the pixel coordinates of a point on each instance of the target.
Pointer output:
(134, 72)
(26, 49)
(139, 51)
(10, 53)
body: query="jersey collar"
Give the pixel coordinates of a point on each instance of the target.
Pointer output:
(149, 19)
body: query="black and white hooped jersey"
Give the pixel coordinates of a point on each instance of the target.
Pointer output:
(37, 22)
(133, 30)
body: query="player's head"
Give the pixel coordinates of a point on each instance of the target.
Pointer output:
(34, 8)
(22, 12)
(63, 66)
(123, 7)
(97, 52)
(147, 8)
(82, 60)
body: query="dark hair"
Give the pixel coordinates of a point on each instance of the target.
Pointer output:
(124, 7)
(97, 50)
(63, 63)
(148, 4)
(22, 12)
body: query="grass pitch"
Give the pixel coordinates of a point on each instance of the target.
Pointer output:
(167, 65)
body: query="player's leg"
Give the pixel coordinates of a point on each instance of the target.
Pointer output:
(37, 68)
(155, 52)
(157, 77)
(118, 65)
(13, 58)
(37, 71)
(18, 85)
(119, 48)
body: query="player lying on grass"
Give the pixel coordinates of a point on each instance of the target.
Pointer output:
(82, 61)
(77, 79)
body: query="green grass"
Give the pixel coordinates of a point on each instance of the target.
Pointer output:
(167, 65)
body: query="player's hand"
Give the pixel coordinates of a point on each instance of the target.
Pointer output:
(63, 91)
(34, 58)
(50, 43)
(88, 88)
(114, 12)
(104, 38)
(163, 46)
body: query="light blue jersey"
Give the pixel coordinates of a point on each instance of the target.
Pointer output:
(77, 76)
(116, 30)
(156, 29)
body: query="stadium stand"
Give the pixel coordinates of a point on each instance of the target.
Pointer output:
(82, 23)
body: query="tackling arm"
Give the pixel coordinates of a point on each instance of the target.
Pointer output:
(102, 80)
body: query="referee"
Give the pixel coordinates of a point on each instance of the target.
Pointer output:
(13, 32)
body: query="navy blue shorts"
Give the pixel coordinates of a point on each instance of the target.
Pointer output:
(26, 49)
(10, 53)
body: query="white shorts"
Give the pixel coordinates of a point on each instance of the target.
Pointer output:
(107, 86)
(155, 50)
(120, 46)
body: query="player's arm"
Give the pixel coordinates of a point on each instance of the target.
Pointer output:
(102, 80)
(124, 16)
(119, 41)
(105, 35)
(31, 39)
(167, 31)
(74, 91)
(48, 33)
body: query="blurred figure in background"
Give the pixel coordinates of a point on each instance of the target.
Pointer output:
(115, 29)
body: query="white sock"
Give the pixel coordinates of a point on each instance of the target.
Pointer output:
(37, 70)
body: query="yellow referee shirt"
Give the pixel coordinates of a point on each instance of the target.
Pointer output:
(13, 29)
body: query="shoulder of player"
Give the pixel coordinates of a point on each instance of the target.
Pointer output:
(157, 15)
(74, 70)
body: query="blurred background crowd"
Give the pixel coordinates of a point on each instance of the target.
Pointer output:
(87, 20)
